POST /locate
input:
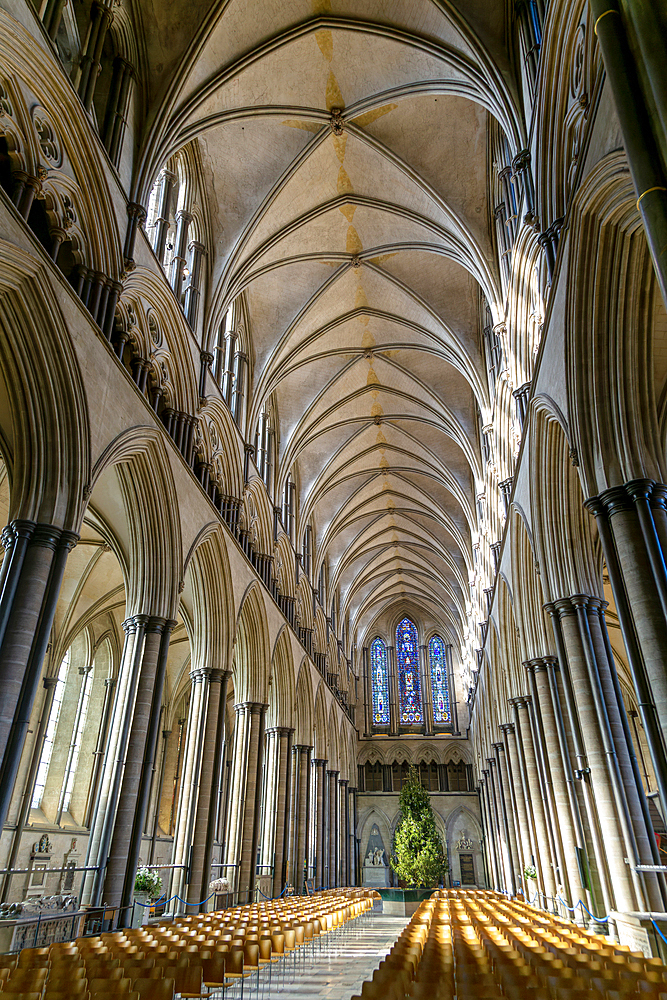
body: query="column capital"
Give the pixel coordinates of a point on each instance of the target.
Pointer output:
(506, 727)
(131, 625)
(251, 707)
(49, 682)
(333, 774)
(319, 762)
(183, 215)
(166, 733)
(498, 746)
(614, 501)
(217, 675)
(280, 730)
(136, 211)
(640, 489)
(523, 701)
(300, 747)
(343, 781)
(157, 623)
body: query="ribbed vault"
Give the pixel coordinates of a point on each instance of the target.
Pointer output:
(344, 150)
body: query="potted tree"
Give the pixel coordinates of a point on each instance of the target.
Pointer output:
(418, 856)
(147, 887)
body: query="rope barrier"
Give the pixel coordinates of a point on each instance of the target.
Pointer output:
(271, 897)
(656, 928)
(572, 909)
(184, 901)
(598, 920)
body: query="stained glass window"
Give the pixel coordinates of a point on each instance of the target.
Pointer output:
(409, 688)
(439, 687)
(380, 683)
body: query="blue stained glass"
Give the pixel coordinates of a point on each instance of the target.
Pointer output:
(380, 683)
(409, 688)
(439, 686)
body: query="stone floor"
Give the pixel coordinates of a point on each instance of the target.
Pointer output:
(337, 971)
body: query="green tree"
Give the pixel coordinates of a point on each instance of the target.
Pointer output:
(418, 857)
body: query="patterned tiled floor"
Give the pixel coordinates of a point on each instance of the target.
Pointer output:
(346, 959)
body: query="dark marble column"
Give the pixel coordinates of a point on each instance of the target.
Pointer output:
(32, 572)
(209, 778)
(332, 828)
(320, 767)
(135, 766)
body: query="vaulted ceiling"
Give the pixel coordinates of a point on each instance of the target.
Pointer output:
(344, 152)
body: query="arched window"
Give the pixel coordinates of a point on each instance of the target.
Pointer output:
(49, 737)
(380, 683)
(409, 688)
(439, 686)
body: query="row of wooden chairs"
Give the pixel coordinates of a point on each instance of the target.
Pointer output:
(420, 964)
(190, 956)
(478, 945)
(506, 948)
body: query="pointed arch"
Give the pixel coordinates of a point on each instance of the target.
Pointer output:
(252, 651)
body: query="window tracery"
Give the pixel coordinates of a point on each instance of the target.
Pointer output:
(380, 683)
(409, 687)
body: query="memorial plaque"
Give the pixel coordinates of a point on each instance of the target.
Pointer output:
(467, 869)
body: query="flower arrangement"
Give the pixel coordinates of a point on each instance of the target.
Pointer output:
(530, 871)
(149, 882)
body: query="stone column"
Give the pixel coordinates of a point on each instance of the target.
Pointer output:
(530, 781)
(566, 805)
(271, 751)
(115, 118)
(503, 861)
(183, 220)
(502, 799)
(209, 780)
(544, 776)
(103, 819)
(352, 836)
(427, 694)
(300, 803)
(243, 822)
(344, 831)
(491, 839)
(393, 691)
(283, 752)
(519, 805)
(639, 828)
(636, 126)
(32, 572)
(192, 291)
(633, 632)
(320, 767)
(187, 804)
(101, 17)
(600, 766)
(332, 827)
(135, 767)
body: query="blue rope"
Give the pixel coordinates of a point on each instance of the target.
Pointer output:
(184, 901)
(599, 920)
(271, 897)
(656, 928)
(572, 909)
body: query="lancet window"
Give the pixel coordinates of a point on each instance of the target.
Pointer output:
(439, 686)
(380, 683)
(51, 727)
(409, 687)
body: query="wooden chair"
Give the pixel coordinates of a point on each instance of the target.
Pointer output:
(155, 989)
